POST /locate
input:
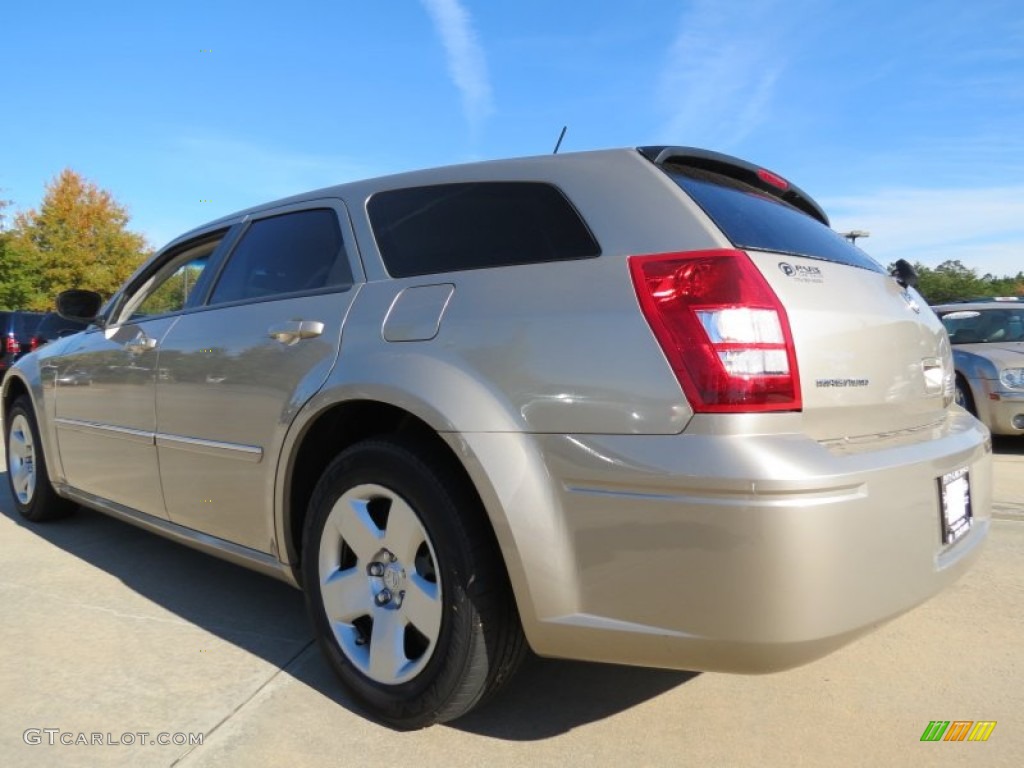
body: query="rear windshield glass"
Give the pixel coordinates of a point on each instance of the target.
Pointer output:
(448, 227)
(754, 221)
(54, 326)
(21, 324)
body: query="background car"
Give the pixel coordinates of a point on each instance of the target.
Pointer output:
(16, 329)
(53, 326)
(988, 353)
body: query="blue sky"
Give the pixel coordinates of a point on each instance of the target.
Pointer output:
(901, 117)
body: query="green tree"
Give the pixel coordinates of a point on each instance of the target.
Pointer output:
(16, 279)
(77, 239)
(952, 280)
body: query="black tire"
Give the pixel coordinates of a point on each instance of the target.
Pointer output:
(39, 502)
(964, 397)
(478, 640)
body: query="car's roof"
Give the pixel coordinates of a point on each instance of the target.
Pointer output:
(537, 167)
(473, 171)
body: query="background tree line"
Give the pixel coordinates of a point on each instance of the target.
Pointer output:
(77, 239)
(952, 280)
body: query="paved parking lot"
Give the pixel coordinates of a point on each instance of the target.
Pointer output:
(111, 631)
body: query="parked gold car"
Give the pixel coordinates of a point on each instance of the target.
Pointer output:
(636, 406)
(988, 354)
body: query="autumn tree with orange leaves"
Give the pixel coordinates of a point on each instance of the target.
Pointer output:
(77, 239)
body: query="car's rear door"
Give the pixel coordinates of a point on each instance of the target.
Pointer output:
(233, 375)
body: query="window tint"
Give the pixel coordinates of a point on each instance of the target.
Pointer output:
(293, 252)
(754, 221)
(448, 227)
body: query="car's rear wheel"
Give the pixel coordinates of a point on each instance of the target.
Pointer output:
(33, 494)
(963, 396)
(405, 586)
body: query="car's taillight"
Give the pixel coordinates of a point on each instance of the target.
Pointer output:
(13, 347)
(33, 344)
(722, 328)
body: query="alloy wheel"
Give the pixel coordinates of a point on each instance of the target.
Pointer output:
(21, 459)
(380, 585)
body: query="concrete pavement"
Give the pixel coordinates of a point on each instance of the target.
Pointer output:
(111, 631)
(1008, 477)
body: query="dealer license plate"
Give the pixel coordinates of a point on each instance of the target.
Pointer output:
(955, 488)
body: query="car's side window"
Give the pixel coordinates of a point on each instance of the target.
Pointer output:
(169, 288)
(172, 294)
(476, 225)
(284, 254)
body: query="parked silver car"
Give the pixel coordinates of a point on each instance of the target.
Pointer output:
(635, 406)
(988, 354)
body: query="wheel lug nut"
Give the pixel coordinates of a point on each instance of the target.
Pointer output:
(383, 597)
(375, 569)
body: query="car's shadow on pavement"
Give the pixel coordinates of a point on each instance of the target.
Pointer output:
(267, 618)
(550, 697)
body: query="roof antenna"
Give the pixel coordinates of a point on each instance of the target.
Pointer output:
(560, 137)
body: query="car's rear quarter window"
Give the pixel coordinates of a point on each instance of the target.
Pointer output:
(448, 227)
(753, 220)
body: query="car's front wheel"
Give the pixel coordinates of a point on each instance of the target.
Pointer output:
(33, 494)
(963, 396)
(405, 587)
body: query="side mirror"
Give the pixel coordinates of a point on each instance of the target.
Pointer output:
(79, 305)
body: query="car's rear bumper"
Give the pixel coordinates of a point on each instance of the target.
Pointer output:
(734, 553)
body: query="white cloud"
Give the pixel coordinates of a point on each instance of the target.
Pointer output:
(721, 72)
(982, 227)
(466, 62)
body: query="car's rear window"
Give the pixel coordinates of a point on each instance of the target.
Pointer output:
(54, 326)
(754, 221)
(448, 227)
(22, 324)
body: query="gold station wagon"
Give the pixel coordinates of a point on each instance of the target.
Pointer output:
(634, 406)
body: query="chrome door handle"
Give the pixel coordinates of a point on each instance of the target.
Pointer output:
(141, 343)
(295, 331)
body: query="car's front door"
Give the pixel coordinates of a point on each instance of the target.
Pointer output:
(105, 385)
(233, 374)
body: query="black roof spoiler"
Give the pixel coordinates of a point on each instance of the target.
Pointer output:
(727, 165)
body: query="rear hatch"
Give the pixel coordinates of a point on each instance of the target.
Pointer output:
(870, 357)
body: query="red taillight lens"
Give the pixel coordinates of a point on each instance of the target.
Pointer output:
(13, 347)
(722, 328)
(33, 344)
